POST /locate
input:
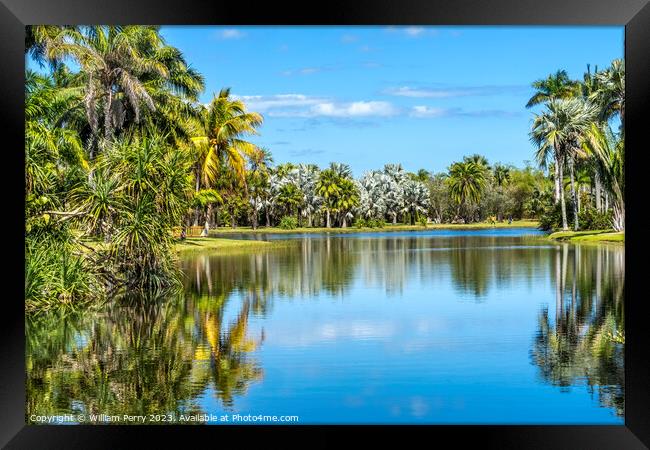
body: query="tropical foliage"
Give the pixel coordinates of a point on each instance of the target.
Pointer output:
(119, 152)
(574, 134)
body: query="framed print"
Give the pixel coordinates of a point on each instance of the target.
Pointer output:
(391, 219)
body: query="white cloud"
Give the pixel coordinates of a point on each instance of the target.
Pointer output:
(354, 109)
(406, 91)
(231, 33)
(448, 92)
(427, 111)
(264, 103)
(422, 111)
(413, 31)
(300, 105)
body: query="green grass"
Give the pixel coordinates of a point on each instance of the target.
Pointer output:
(225, 245)
(588, 236)
(389, 227)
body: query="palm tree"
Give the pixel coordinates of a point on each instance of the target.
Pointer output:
(559, 129)
(224, 124)
(305, 176)
(394, 189)
(466, 182)
(610, 94)
(348, 198)
(555, 86)
(479, 160)
(290, 197)
(416, 198)
(341, 170)
(115, 61)
(501, 174)
(611, 155)
(258, 181)
(328, 187)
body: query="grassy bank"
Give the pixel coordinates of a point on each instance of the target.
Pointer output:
(227, 245)
(389, 227)
(588, 236)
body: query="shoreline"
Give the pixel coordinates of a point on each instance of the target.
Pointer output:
(592, 236)
(224, 231)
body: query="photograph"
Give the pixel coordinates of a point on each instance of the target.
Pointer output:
(325, 225)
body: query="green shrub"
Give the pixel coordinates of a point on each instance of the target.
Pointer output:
(423, 221)
(551, 218)
(288, 223)
(590, 219)
(360, 223)
(375, 223)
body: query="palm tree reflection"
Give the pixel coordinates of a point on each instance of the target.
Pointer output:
(584, 343)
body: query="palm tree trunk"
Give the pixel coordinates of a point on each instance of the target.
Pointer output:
(574, 197)
(268, 217)
(598, 189)
(196, 210)
(107, 115)
(618, 209)
(208, 216)
(329, 225)
(254, 215)
(558, 177)
(565, 225)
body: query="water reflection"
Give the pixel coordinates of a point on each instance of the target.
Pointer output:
(204, 350)
(582, 342)
(151, 358)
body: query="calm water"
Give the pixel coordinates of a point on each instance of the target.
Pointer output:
(493, 326)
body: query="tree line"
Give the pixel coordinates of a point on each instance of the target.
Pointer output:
(575, 139)
(119, 152)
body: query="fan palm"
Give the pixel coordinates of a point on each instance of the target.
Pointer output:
(558, 130)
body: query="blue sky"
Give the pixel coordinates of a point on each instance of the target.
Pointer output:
(422, 96)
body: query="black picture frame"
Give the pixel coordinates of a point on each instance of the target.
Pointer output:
(633, 14)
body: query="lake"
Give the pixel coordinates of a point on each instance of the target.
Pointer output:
(492, 326)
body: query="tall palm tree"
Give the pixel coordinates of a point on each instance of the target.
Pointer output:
(610, 153)
(258, 181)
(416, 198)
(224, 125)
(290, 197)
(348, 198)
(555, 86)
(501, 174)
(114, 59)
(479, 160)
(610, 95)
(466, 182)
(328, 187)
(557, 131)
